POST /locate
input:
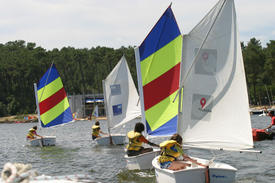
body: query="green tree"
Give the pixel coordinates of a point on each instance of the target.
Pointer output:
(254, 60)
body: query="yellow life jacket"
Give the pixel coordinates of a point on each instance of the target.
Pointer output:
(168, 151)
(134, 144)
(96, 129)
(31, 133)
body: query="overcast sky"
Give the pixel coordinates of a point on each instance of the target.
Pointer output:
(115, 23)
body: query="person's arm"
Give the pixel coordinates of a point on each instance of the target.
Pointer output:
(271, 124)
(102, 132)
(192, 160)
(268, 127)
(153, 144)
(143, 139)
(185, 157)
(37, 134)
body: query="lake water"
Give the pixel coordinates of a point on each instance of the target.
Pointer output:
(76, 153)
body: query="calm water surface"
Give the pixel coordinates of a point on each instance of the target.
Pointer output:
(76, 153)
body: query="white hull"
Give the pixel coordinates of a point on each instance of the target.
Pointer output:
(45, 141)
(141, 162)
(218, 173)
(117, 139)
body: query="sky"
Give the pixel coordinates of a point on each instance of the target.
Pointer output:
(115, 23)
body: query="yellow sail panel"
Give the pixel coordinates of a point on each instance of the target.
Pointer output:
(55, 111)
(159, 114)
(49, 89)
(160, 62)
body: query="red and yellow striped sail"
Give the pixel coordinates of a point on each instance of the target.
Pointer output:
(158, 61)
(54, 107)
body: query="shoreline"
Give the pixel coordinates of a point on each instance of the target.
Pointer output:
(32, 118)
(262, 107)
(28, 118)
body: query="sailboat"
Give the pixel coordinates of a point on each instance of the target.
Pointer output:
(95, 113)
(52, 105)
(121, 102)
(158, 61)
(214, 109)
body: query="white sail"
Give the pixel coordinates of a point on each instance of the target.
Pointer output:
(95, 112)
(215, 109)
(120, 95)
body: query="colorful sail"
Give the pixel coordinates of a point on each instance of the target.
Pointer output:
(54, 108)
(158, 61)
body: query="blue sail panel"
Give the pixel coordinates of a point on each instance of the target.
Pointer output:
(168, 128)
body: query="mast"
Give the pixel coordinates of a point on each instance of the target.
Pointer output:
(107, 111)
(37, 104)
(141, 97)
(202, 44)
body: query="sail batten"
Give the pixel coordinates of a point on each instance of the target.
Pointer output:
(215, 110)
(158, 68)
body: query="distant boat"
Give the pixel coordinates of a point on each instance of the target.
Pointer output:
(94, 115)
(52, 105)
(256, 111)
(260, 112)
(95, 112)
(121, 102)
(213, 111)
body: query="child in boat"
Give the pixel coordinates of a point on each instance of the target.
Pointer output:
(136, 139)
(170, 151)
(32, 133)
(271, 128)
(96, 130)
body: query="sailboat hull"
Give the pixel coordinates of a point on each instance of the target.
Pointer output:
(117, 139)
(218, 173)
(45, 141)
(141, 162)
(260, 134)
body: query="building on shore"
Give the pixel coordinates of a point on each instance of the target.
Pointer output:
(83, 105)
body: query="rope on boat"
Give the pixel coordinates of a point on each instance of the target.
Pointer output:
(17, 172)
(22, 173)
(207, 175)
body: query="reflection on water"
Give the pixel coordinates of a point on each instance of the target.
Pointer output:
(76, 153)
(145, 176)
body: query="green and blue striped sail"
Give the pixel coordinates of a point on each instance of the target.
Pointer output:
(159, 70)
(53, 102)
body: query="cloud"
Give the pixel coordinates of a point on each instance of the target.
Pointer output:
(89, 23)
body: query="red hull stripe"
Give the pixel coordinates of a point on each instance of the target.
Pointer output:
(52, 101)
(161, 88)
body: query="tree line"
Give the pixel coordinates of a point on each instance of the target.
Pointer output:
(82, 71)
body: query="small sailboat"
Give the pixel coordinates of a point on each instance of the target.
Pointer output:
(95, 113)
(52, 105)
(214, 109)
(121, 102)
(158, 61)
